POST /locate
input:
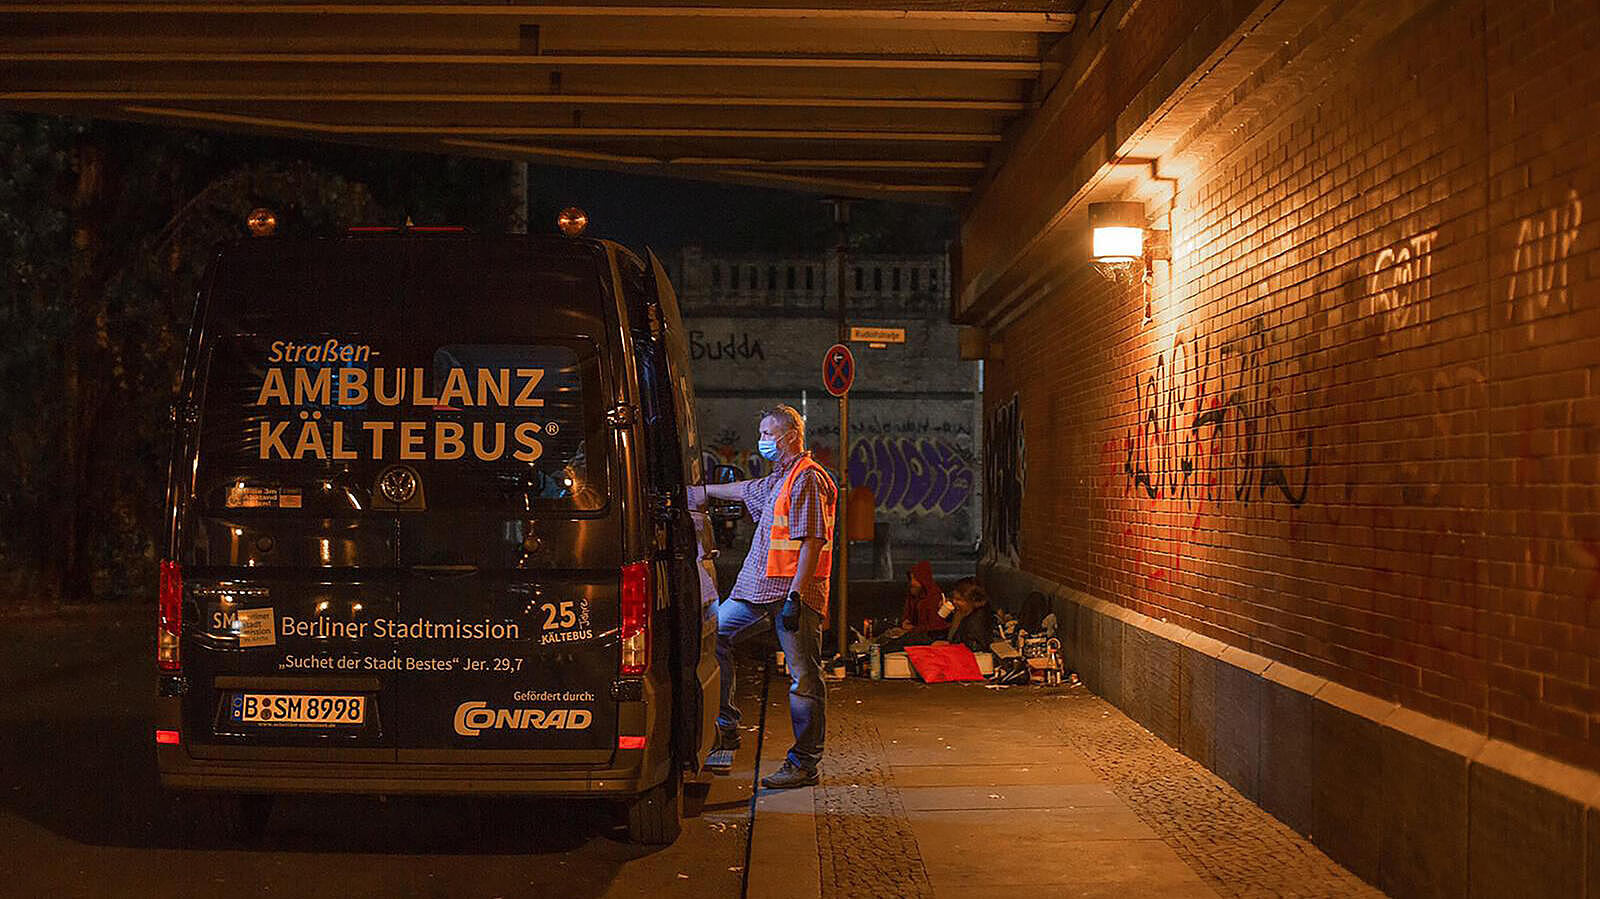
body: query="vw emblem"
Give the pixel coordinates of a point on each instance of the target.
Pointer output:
(398, 485)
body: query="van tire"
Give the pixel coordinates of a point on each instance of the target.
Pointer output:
(655, 817)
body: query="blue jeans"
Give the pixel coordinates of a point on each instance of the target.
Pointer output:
(738, 621)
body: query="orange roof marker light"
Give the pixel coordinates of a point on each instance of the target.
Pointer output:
(572, 221)
(261, 222)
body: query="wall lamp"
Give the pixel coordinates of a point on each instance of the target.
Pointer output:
(1123, 245)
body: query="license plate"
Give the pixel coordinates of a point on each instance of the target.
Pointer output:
(298, 709)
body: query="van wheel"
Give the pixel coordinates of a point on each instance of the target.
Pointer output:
(655, 818)
(212, 818)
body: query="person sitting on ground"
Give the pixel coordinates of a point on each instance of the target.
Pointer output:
(923, 600)
(973, 622)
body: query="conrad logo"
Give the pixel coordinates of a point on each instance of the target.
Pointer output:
(473, 718)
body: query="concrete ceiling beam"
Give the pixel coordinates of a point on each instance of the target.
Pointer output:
(940, 194)
(902, 98)
(356, 34)
(914, 105)
(593, 80)
(1021, 68)
(898, 14)
(571, 131)
(647, 121)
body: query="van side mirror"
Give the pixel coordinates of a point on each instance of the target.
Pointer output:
(724, 516)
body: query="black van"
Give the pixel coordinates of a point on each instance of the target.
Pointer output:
(427, 531)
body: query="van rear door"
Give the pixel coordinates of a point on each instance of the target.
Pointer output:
(511, 550)
(696, 677)
(287, 561)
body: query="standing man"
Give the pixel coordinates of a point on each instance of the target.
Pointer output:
(784, 582)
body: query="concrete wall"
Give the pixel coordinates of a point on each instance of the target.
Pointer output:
(913, 409)
(1322, 505)
(876, 284)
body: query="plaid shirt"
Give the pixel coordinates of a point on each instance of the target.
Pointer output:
(813, 493)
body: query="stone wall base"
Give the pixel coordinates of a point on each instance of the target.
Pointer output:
(1413, 804)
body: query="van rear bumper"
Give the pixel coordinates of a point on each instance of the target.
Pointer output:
(621, 773)
(180, 771)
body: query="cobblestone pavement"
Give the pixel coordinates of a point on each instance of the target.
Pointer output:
(1228, 840)
(1151, 800)
(863, 834)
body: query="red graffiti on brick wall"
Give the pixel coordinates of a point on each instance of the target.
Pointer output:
(1591, 549)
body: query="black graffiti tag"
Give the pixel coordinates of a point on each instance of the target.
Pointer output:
(1004, 468)
(1240, 442)
(737, 347)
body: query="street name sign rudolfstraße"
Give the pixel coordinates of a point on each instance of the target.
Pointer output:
(877, 337)
(838, 369)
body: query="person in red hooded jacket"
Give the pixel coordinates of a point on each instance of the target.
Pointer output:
(923, 602)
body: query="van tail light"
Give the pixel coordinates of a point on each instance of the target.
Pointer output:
(636, 603)
(168, 737)
(170, 624)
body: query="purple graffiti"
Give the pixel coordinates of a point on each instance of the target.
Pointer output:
(910, 474)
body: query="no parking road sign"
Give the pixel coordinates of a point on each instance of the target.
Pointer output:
(838, 369)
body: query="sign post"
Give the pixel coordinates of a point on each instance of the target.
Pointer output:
(838, 373)
(840, 207)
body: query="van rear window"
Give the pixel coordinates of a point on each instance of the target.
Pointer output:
(499, 409)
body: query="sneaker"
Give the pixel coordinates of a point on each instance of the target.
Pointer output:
(788, 777)
(726, 739)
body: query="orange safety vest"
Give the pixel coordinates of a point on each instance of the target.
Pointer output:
(783, 552)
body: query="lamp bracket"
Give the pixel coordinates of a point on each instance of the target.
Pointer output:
(1158, 245)
(1126, 271)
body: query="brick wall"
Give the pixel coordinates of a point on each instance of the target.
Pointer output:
(1358, 432)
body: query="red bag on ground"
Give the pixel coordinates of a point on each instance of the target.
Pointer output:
(946, 662)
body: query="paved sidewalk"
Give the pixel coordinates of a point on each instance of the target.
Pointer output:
(957, 790)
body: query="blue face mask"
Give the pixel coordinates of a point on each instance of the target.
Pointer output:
(768, 449)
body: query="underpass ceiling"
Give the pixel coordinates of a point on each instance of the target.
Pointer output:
(908, 100)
